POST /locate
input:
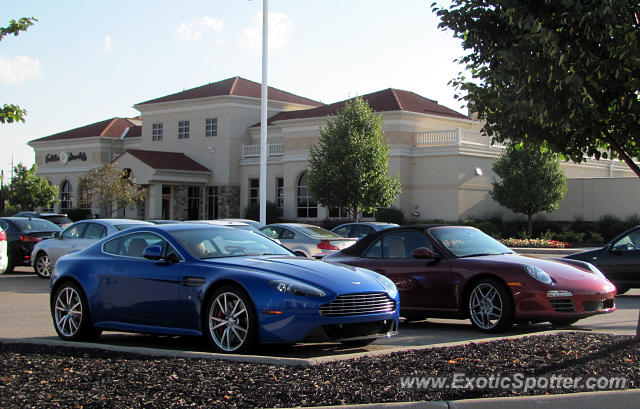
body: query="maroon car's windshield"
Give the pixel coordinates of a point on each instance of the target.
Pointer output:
(468, 242)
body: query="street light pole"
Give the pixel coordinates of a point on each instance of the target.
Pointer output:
(263, 116)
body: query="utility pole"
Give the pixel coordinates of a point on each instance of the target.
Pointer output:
(263, 116)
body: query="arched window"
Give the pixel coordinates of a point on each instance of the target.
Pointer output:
(84, 195)
(307, 207)
(65, 196)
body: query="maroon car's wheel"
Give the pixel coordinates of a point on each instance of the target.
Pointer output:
(490, 306)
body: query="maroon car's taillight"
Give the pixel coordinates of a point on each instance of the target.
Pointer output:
(30, 239)
(326, 245)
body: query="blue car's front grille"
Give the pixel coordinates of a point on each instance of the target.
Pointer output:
(358, 304)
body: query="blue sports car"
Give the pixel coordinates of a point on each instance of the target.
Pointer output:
(233, 287)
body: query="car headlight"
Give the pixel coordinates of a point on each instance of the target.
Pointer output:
(384, 281)
(538, 273)
(296, 288)
(595, 270)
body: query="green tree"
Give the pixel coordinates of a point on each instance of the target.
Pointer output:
(9, 112)
(531, 181)
(561, 73)
(112, 189)
(27, 191)
(348, 168)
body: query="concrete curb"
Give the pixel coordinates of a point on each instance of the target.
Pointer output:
(625, 399)
(259, 359)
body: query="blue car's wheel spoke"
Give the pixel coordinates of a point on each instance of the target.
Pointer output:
(228, 321)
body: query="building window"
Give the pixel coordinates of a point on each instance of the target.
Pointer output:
(339, 212)
(280, 192)
(183, 129)
(166, 202)
(254, 191)
(65, 196)
(212, 202)
(84, 193)
(211, 127)
(193, 203)
(307, 207)
(157, 131)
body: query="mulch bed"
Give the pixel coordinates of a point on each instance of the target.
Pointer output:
(44, 377)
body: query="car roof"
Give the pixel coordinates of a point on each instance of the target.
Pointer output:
(362, 244)
(217, 222)
(291, 225)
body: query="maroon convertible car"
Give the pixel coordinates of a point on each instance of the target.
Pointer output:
(460, 272)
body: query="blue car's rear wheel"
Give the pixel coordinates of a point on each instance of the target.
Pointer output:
(70, 313)
(231, 323)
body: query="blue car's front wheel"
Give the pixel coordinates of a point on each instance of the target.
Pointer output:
(70, 313)
(231, 323)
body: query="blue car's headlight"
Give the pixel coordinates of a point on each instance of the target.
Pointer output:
(384, 281)
(538, 273)
(296, 288)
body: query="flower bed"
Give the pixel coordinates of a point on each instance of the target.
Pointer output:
(535, 243)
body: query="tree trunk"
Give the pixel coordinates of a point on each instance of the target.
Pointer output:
(355, 214)
(626, 158)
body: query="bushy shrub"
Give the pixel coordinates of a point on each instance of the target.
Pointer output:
(10, 210)
(390, 215)
(610, 226)
(252, 211)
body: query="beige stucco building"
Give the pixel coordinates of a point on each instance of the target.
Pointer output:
(197, 153)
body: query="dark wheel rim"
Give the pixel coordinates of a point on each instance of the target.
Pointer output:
(43, 267)
(228, 321)
(68, 311)
(485, 306)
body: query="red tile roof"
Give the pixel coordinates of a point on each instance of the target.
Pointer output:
(109, 128)
(382, 101)
(166, 160)
(234, 86)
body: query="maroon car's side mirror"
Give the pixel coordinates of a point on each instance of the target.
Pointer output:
(424, 253)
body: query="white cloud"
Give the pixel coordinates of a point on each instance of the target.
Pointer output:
(18, 69)
(280, 29)
(193, 30)
(108, 43)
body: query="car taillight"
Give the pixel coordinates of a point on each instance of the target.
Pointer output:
(326, 245)
(3, 236)
(30, 239)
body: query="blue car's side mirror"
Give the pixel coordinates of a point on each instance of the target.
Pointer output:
(153, 252)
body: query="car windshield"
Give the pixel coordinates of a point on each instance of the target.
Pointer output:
(225, 242)
(28, 225)
(318, 232)
(58, 219)
(129, 226)
(468, 242)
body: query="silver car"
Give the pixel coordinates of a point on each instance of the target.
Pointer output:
(79, 235)
(307, 240)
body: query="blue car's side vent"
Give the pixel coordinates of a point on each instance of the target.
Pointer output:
(359, 304)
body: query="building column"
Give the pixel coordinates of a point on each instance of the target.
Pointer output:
(154, 201)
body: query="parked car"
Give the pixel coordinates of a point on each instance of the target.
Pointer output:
(361, 229)
(307, 240)
(619, 260)
(4, 259)
(234, 224)
(234, 287)
(75, 237)
(163, 221)
(254, 223)
(460, 272)
(57, 218)
(22, 234)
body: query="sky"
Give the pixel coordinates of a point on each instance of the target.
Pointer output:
(87, 60)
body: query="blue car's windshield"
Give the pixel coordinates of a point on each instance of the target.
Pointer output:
(216, 242)
(468, 242)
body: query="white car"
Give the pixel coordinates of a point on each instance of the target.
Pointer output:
(4, 258)
(79, 235)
